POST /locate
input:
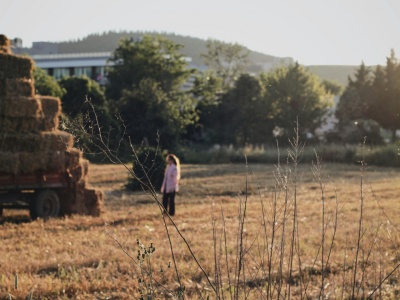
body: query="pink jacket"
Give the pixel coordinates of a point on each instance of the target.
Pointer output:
(170, 182)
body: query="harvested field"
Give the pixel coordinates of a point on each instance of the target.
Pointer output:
(77, 257)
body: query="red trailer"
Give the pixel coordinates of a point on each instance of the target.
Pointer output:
(45, 194)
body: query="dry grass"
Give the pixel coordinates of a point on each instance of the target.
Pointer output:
(77, 257)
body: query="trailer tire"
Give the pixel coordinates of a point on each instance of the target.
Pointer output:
(46, 205)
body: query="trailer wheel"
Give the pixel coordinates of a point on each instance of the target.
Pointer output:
(46, 205)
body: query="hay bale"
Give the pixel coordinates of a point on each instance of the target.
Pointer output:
(20, 125)
(16, 142)
(36, 142)
(79, 193)
(4, 41)
(94, 200)
(11, 87)
(9, 162)
(29, 124)
(4, 44)
(51, 108)
(20, 107)
(13, 66)
(56, 161)
(80, 172)
(87, 201)
(4, 49)
(32, 161)
(72, 158)
(57, 140)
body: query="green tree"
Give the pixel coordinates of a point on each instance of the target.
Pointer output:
(228, 60)
(146, 83)
(385, 103)
(78, 90)
(296, 94)
(332, 87)
(149, 57)
(153, 115)
(46, 85)
(355, 101)
(207, 90)
(241, 115)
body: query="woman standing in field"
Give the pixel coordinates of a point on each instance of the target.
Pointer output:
(170, 183)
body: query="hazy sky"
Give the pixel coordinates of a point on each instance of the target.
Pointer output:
(311, 31)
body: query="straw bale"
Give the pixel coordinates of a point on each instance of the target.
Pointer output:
(13, 66)
(87, 201)
(81, 171)
(56, 161)
(9, 162)
(35, 142)
(4, 41)
(4, 49)
(57, 140)
(16, 142)
(4, 44)
(20, 107)
(94, 200)
(11, 87)
(79, 205)
(45, 161)
(72, 158)
(20, 125)
(32, 161)
(51, 108)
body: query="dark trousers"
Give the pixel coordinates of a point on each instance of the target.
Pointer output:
(169, 200)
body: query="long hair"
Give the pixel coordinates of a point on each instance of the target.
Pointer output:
(176, 162)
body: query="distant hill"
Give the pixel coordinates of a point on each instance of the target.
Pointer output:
(339, 74)
(192, 47)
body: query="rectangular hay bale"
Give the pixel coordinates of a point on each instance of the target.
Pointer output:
(32, 161)
(13, 66)
(56, 161)
(20, 142)
(51, 108)
(9, 162)
(11, 87)
(72, 158)
(57, 140)
(94, 200)
(81, 171)
(20, 107)
(20, 125)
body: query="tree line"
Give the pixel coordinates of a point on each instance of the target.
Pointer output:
(148, 89)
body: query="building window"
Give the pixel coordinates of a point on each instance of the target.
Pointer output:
(83, 71)
(59, 73)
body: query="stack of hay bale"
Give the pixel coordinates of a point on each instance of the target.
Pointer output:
(29, 137)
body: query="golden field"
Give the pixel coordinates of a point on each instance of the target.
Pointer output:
(79, 257)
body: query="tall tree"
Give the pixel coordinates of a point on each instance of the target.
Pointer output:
(296, 94)
(148, 57)
(207, 90)
(385, 103)
(152, 115)
(228, 60)
(355, 100)
(241, 111)
(146, 84)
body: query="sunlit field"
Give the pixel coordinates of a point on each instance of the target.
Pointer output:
(81, 257)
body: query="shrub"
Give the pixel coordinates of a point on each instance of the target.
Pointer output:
(148, 168)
